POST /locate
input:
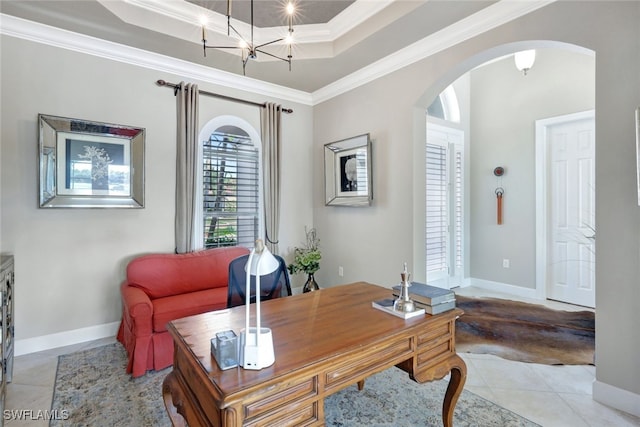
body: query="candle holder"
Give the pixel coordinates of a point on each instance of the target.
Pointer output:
(404, 303)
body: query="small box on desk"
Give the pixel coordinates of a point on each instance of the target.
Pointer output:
(224, 348)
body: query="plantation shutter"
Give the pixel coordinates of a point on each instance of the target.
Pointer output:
(458, 212)
(436, 218)
(231, 190)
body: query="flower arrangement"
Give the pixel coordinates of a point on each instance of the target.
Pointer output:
(307, 258)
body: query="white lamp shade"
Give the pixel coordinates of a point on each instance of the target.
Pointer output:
(525, 59)
(262, 263)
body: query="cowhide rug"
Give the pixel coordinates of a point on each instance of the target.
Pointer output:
(525, 332)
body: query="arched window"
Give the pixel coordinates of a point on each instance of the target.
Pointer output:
(230, 180)
(446, 106)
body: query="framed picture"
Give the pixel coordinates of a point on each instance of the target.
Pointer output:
(347, 171)
(85, 164)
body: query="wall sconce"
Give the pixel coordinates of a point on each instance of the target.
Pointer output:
(524, 60)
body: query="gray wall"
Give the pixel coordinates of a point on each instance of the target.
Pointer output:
(69, 262)
(504, 107)
(372, 243)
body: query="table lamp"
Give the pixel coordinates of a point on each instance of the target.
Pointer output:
(256, 343)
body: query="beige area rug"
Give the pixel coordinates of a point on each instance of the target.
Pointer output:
(93, 389)
(525, 332)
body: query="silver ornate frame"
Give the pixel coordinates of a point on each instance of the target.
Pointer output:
(347, 171)
(60, 141)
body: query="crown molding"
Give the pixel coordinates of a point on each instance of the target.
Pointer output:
(357, 13)
(140, 12)
(482, 21)
(52, 36)
(488, 18)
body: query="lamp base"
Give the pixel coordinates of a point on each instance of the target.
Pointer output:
(252, 355)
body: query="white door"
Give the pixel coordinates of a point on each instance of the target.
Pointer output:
(570, 183)
(444, 210)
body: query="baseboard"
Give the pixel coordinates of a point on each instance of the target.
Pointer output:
(617, 398)
(61, 339)
(505, 288)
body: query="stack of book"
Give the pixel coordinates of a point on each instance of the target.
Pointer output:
(434, 300)
(386, 305)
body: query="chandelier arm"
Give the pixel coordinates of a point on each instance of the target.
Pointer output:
(273, 56)
(222, 47)
(252, 26)
(244, 65)
(239, 35)
(268, 43)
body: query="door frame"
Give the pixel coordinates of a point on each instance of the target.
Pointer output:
(542, 191)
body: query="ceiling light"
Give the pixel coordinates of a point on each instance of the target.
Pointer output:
(249, 49)
(524, 60)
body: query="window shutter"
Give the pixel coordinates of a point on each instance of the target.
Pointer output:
(458, 208)
(230, 190)
(437, 221)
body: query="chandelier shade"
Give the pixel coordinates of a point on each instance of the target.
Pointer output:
(249, 48)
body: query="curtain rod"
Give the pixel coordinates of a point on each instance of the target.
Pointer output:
(228, 98)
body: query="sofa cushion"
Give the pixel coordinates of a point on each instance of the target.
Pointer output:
(177, 306)
(163, 275)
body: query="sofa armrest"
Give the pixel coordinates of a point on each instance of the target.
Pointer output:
(137, 308)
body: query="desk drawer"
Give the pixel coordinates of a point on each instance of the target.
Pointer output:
(435, 344)
(279, 394)
(306, 414)
(366, 361)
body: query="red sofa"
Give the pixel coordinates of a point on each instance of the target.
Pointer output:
(163, 287)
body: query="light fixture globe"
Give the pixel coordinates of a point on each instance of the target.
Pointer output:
(524, 60)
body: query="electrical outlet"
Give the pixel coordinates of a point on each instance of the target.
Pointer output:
(505, 263)
(340, 271)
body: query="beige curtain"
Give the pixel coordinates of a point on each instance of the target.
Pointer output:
(186, 165)
(271, 154)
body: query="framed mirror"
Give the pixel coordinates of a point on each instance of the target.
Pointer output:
(347, 172)
(85, 164)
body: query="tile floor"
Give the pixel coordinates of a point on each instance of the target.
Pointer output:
(548, 395)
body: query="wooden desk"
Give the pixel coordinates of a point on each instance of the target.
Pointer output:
(324, 341)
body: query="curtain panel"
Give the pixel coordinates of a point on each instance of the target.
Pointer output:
(270, 121)
(186, 166)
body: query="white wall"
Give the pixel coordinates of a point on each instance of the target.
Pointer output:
(70, 262)
(504, 107)
(371, 243)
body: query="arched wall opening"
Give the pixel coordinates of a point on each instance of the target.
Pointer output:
(484, 262)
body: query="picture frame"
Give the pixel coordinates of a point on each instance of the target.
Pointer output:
(347, 170)
(88, 164)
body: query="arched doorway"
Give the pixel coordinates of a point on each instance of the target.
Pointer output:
(503, 257)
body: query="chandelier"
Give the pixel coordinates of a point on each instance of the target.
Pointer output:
(249, 49)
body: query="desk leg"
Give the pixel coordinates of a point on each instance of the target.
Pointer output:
(171, 387)
(456, 383)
